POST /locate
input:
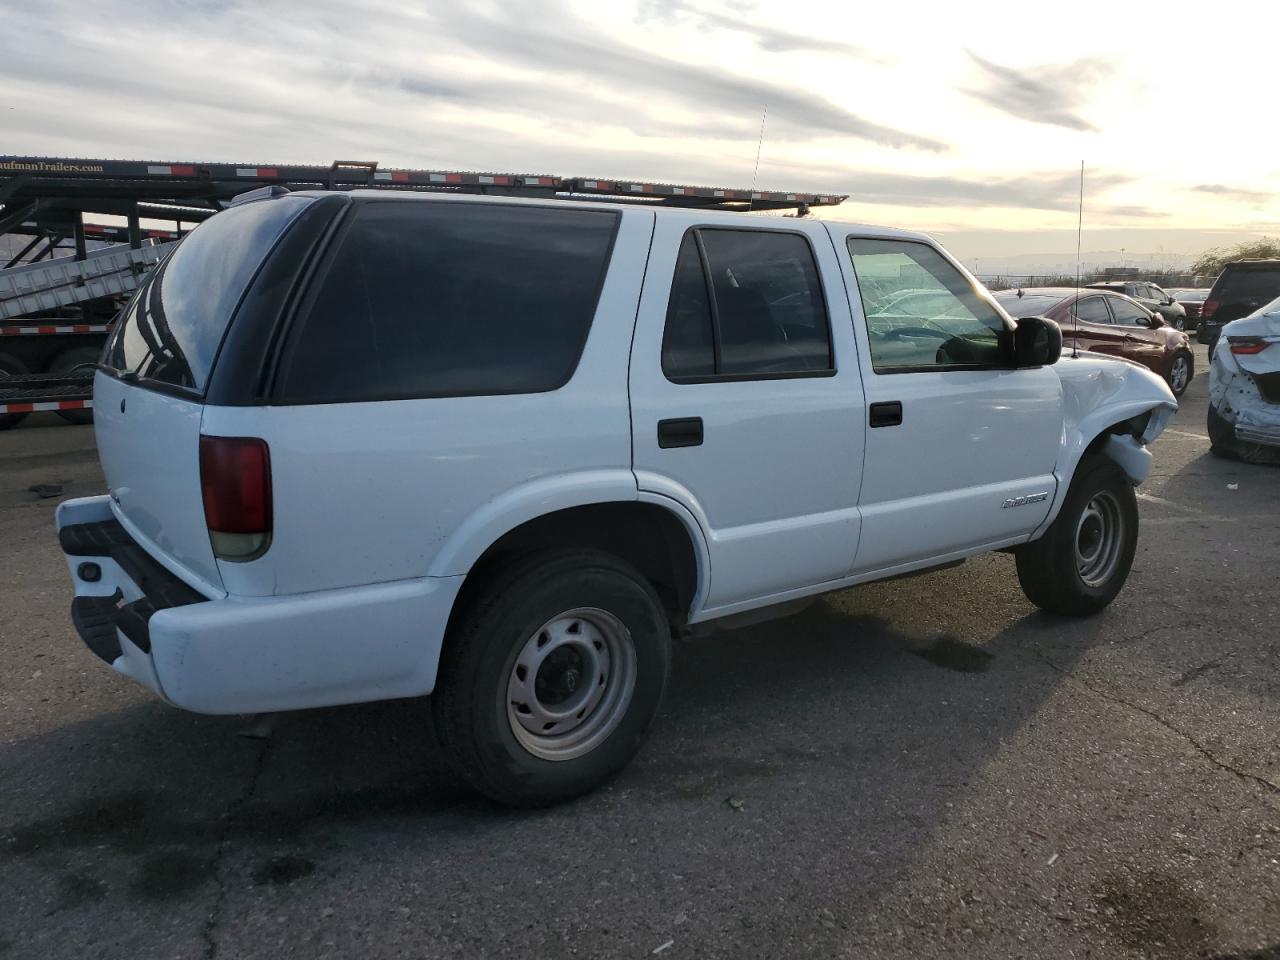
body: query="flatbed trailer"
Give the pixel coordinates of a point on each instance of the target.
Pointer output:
(56, 312)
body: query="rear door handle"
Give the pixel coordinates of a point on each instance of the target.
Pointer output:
(680, 432)
(886, 414)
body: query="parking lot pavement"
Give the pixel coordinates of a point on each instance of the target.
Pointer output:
(921, 768)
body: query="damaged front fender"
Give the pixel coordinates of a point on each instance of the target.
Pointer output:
(1106, 396)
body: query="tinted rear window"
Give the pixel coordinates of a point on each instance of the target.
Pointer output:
(1027, 305)
(430, 299)
(171, 331)
(1256, 285)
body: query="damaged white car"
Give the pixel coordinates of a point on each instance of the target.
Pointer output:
(1244, 388)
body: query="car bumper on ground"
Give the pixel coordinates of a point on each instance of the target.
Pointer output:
(233, 654)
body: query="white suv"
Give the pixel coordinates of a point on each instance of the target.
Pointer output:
(363, 446)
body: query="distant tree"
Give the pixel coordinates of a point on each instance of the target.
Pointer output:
(1211, 262)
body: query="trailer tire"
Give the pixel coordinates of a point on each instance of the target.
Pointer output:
(68, 362)
(11, 366)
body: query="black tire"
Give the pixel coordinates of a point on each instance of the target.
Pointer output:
(1222, 435)
(475, 715)
(1050, 569)
(1224, 443)
(11, 366)
(1191, 371)
(69, 361)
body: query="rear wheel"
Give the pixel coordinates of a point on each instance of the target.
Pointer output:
(1083, 560)
(11, 366)
(70, 363)
(1223, 442)
(551, 676)
(1180, 372)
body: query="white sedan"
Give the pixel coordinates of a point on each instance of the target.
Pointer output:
(1244, 387)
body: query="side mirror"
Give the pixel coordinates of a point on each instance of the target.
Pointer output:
(1037, 342)
(1155, 322)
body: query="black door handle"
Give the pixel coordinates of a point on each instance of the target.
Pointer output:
(680, 432)
(886, 414)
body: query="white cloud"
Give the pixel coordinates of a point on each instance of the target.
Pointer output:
(928, 116)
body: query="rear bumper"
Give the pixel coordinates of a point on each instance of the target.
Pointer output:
(247, 654)
(1236, 398)
(1255, 433)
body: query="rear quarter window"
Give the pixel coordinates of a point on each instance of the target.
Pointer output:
(173, 327)
(434, 299)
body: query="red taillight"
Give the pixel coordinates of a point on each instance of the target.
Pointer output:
(235, 481)
(1248, 345)
(1209, 309)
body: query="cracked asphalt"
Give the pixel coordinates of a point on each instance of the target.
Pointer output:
(916, 769)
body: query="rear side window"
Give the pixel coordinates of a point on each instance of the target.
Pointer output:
(434, 299)
(745, 303)
(172, 329)
(688, 343)
(1091, 310)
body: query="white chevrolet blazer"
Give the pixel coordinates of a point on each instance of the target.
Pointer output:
(362, 446)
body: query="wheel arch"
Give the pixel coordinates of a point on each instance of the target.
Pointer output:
(652, 537)
(1119, 432)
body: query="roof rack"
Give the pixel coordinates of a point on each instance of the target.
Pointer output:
(49, 195)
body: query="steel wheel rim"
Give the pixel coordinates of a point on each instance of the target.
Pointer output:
(1099, 538)
(1178, 375)
(571, 684)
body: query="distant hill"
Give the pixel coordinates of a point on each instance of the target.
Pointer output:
(1090, 261)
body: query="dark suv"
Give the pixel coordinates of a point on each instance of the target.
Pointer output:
(1240, 289)
(1150, 296)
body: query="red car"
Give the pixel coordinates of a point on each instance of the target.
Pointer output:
(1107, 322)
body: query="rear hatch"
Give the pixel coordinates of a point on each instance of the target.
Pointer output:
(149, 391)
(1242, 289)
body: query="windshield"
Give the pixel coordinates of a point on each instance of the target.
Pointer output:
(171, 331)
(1027, 305)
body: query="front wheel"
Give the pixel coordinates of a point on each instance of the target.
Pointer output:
(551, 676)
(1180, 372)
(1083, 560)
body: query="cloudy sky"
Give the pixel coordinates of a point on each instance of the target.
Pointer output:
(966, 120)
